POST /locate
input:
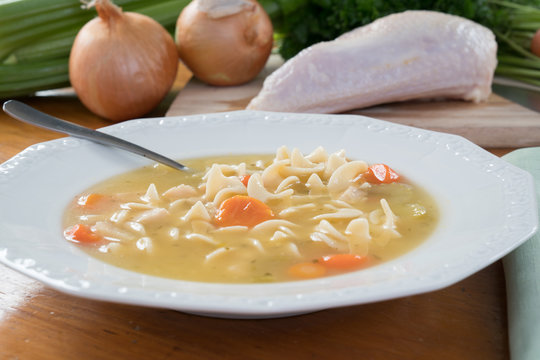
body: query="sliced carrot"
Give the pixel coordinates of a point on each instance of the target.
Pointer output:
(242, 210)
(245, 179)
(343, 261)
(81, 233)
(307, 270)
(90, 200)
(381, 174)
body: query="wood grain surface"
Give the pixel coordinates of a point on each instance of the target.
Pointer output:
(464, 321)
(496, 123)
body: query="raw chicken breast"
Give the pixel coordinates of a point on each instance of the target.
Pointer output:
(404, 56)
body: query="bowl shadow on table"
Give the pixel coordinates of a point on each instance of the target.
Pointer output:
(466, 320)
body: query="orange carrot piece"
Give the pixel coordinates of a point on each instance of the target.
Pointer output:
(242, 210)
(381, 174)
(307, 270)
(245, 179)
(90, 200)
(81, 233)
(343, 261)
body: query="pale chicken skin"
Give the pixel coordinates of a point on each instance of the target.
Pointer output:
(404, 56)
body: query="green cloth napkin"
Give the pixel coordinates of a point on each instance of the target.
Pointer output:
(522, 273)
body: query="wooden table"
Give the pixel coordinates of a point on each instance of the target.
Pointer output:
(464, 321)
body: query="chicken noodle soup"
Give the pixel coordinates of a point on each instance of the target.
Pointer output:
(253, 218)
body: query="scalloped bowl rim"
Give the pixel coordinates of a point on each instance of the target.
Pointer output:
(483, 217)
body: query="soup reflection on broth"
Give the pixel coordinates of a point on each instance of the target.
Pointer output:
(252, 218)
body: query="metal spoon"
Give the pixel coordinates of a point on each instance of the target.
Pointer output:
(28, 114)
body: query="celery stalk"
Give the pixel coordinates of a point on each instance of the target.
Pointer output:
(50, 47)
(31, 86)
(26, 36)
(8, 28)
(20, 9)
(31, 71)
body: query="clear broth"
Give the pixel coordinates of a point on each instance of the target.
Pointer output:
(240, 261)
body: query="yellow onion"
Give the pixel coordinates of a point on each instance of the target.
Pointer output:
(224, 42)
(122, 64)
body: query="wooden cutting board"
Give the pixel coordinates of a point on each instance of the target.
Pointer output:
(496, 123)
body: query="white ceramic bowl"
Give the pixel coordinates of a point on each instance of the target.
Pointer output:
(487, 207)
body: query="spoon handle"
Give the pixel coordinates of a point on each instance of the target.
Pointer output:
(28, 114)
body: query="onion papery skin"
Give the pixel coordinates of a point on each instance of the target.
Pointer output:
(122, 67)
(229, 50)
